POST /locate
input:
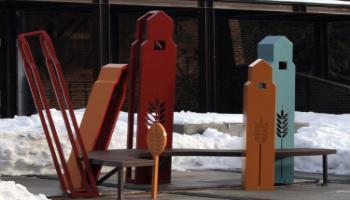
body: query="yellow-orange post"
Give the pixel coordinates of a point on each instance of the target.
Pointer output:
(156, 142)
(259, 120)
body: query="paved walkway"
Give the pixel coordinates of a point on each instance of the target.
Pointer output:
(205, 185)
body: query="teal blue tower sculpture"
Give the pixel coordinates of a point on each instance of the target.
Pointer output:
(278, 51)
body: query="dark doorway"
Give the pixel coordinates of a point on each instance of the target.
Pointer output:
(2, 78)
(8, 81)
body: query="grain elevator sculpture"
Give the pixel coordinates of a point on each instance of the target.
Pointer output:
(278, 51)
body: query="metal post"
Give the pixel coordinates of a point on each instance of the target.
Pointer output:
(2, 77)
(114, 35)
(325, 169)
(120, 183)
(23, 94)
(321, 46)
(104, 48)
(207, 54)
(9, 92)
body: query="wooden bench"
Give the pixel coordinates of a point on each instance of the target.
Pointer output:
(156, 143)
(121, 158)
(119, 162)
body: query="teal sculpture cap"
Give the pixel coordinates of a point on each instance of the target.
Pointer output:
(272, 47)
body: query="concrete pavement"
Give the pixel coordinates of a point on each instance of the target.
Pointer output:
(205, 185)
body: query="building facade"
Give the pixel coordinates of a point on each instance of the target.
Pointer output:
(216, 41)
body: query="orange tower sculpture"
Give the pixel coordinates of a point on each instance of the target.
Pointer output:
(259, 120)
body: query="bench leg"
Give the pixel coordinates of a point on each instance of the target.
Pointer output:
(325, 170)
(120, 183)
(108, 175)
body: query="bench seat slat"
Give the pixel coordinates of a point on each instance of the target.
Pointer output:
(132, 157)
(116, 161)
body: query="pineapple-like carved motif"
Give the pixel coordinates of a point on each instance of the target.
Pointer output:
(156, 112)
(282, 124)
(260, 131)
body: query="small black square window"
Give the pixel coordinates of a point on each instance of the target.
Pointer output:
(282, 65)
(262, 86)
(159, 45)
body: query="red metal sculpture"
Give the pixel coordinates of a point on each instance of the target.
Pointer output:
(88, 188)
(152, 86)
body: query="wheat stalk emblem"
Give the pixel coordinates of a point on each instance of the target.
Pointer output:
(282, 131)
(156, 112)
(282, 124)
(260, 136)
(260, 131)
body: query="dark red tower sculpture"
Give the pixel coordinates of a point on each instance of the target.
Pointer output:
(152, 86)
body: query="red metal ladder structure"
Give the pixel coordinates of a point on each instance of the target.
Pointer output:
(88, 182)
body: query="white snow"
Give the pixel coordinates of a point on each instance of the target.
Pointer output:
(23, 147)
(9, 190)
(211, 139)
(205, 118)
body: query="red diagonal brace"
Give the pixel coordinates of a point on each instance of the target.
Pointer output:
(88, 188)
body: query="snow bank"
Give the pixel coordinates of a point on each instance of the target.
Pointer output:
(210, 139)
(205, 118)
(23, 148)
(9, 190)
(324, 131)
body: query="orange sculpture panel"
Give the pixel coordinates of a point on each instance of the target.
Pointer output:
(259, 120)
(102, 110)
